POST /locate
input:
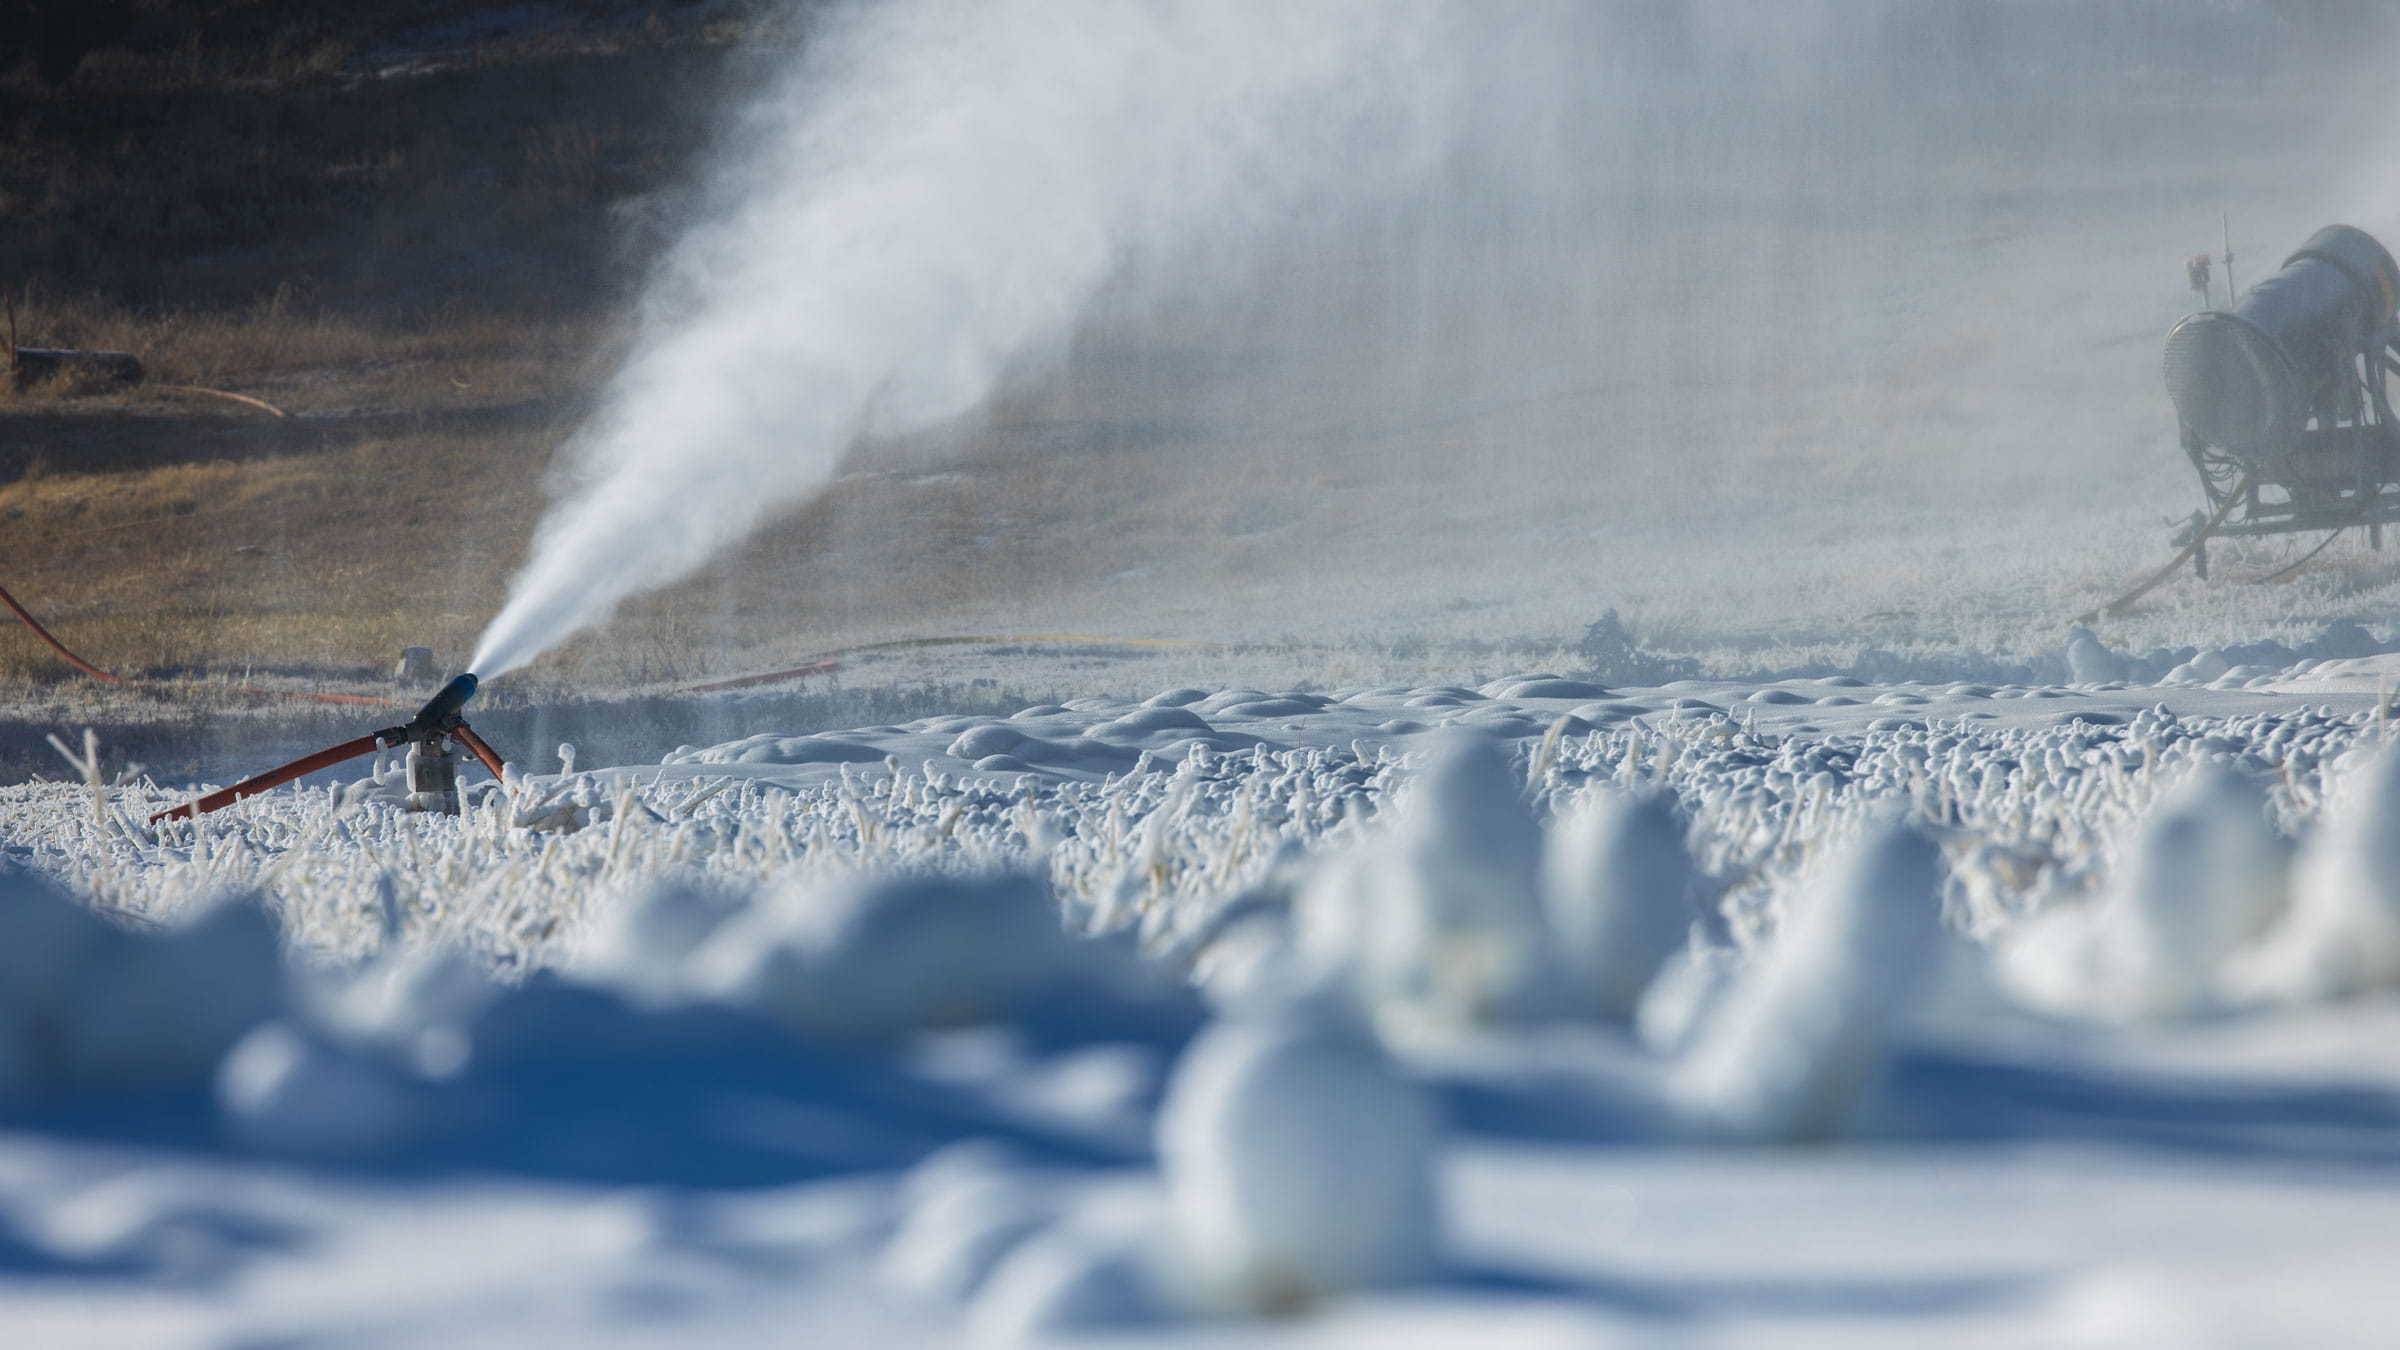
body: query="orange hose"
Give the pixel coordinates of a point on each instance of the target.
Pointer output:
(770, 677)
(828, 664)
(322, 759)
(272, 778)
(368, 700)
(55, 645)
(258, 403)
(467, 737)
(364, 700)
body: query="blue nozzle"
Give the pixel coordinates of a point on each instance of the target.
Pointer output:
(445, 705)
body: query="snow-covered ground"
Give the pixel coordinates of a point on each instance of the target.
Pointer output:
(1540, 1013)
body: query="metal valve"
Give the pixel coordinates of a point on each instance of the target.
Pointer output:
(432, 768)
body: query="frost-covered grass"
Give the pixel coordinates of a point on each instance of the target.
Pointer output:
(2028, 816)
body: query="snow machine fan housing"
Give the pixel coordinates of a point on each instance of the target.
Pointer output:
(2283, 401)
(2248, 381)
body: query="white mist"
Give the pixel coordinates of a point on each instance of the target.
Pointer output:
(930, 199)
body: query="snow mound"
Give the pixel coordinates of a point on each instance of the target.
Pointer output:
(287, 1090)
(2203, 878)
(872, 957)
(86, 1007)
(1298, 1163)
(1078, 1277)
(1619, 889)
(964, 1215)
(2342, 936)
(1803, 1035)
(1439, 925)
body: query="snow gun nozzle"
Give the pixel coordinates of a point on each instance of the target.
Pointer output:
(440, 713)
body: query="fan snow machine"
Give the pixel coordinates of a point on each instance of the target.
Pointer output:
(2284, 400)
(432, 763)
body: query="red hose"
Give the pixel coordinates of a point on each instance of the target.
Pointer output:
(308, 764)
(467, 737)
(272, 778)
(97, 673)
(55, 645)
(368, 700)
(770, 677)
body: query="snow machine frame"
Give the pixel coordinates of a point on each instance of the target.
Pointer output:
(2343, 471)
(2284, 404)
(438, 723)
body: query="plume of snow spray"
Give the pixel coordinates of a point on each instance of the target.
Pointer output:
(930, 199)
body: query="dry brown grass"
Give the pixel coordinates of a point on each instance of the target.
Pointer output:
(189, 541)
(319, 562)
(307, 360)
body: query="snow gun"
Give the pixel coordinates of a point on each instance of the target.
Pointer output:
(432, 762)
(2283, 399)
